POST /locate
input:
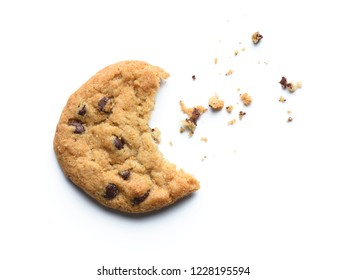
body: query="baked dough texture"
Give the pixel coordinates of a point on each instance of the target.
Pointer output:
(105, 146)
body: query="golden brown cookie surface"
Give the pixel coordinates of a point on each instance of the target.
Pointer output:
(105, 146)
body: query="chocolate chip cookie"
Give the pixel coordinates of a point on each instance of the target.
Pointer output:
(105, 146)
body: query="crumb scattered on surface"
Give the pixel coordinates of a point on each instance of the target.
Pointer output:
(193, 114)
(243, 49)
(289, 119)
(232, 122)
(282, 99)
(291, 87)
(204, 158)
(215, 103)
(246, 99)
(171, 143)
(193, 77)
(238, 89)
(229, 108)
(236, 53)
(204, 139)
(241, 115)
(216, 60)
(256, 37)
(229, 72)
(156, 135)
(289, 112)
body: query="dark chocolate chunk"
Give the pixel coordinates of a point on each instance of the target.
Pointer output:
(195, 115)
(125, 174)
(82, 111)
(193, 77)
(79, 128)
(111, 191)
(283, 82)
(102, 103)
(119, 142)
(139, 199)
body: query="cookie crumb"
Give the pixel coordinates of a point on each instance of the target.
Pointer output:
(236, 53)
(156, 135)
(290, 119)
(193, 114)
(246, 99)
(216, 60)
(229, 72)
(232, 122)
(282, 99)
(243, 49)
(204, 139)
(291, 87)
(256, 37)
(289, 112)
(171, 143)
(215, 103)
(229, 109)
(193, 77)
(241, 115)
(204, 158)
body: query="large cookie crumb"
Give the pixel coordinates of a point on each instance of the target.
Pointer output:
(193, 114)
(215, 103)
(246, 99)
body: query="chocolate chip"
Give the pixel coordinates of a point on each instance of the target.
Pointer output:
(111, 191)
(79, 128)
(102, 103)
(283, 82)
(193, 77)
(139, 199)
(195, 115)
(119, 143)
(82, 111)
(125, 174)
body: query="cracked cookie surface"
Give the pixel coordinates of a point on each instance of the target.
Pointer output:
(105, 146)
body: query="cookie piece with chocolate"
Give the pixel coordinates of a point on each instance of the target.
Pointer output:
(105, 146)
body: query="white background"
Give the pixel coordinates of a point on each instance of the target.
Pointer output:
(272, 193)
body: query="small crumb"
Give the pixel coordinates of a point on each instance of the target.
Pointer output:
(229, 72)
(232, 122)
(289, 119)
(243, 49)
(216, 60)
(289, 112)
(171, 143)
(229, 108)
(241, 115)
(246, 99)
(291, 87)
(238, 89)
(282, 99)
(256, 37)
(215, 103)
(204, 158)
(193, 77)
(236, 53)
(156, 135)
(204, 139)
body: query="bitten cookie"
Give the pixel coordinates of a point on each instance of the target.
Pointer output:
(105, 146)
